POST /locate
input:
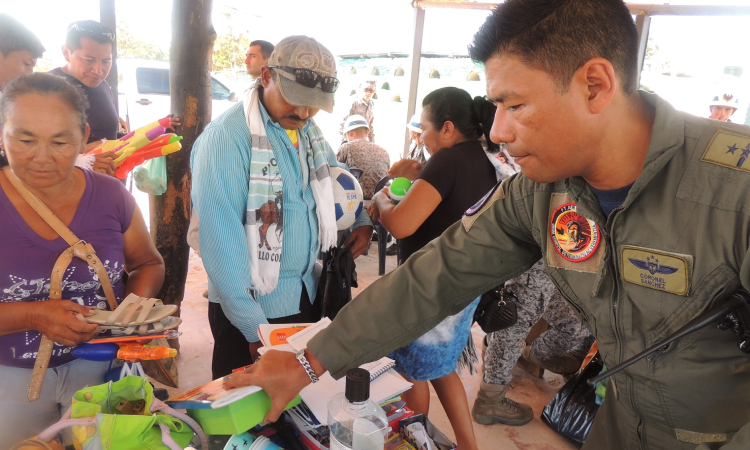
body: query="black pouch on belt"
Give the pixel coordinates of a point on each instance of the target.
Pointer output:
(497, 310)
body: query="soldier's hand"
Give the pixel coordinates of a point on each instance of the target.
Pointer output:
(280, 375)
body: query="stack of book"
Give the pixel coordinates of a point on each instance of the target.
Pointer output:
(311, 417)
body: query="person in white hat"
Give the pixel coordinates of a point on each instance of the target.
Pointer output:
(417, 151)
(364, 105)
(410, 166)
(723, 106)
(261, 172)
(363, 154)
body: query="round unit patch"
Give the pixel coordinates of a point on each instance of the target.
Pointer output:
(575, 237)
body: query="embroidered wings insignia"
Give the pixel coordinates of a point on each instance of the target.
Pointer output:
(652, 267)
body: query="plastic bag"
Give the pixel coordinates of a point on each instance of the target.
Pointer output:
(572, 410)
(151, 176)
(121, 415)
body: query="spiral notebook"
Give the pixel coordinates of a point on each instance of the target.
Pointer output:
(376, 368)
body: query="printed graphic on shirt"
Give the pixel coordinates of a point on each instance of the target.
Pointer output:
(655, 269)
(473, 213)
(271, 215)
(575, 237)
(728, 149)
(574, 242)
(83, 289)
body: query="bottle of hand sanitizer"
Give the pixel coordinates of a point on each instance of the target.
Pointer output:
(356, 422)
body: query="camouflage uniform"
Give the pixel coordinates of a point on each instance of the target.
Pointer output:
(368, 156)
(538, 298)
(365, 109)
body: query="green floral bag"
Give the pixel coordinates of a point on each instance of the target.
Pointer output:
(124, 415)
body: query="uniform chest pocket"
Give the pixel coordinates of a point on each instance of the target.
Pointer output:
(718, 283)
(716, 176)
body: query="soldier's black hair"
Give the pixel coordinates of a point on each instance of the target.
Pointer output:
(15, 37)
(471, 117)
(559, 36)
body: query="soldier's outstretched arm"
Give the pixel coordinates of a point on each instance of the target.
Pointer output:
(490, 245)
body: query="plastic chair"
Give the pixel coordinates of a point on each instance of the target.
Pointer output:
(382, 232)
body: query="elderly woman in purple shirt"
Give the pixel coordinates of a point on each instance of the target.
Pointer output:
(44, 128)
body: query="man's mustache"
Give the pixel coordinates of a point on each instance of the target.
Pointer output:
(298, 118)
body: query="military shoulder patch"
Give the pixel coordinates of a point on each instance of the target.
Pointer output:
(574, 242)
(473, 213)
(575, 237)
(728, 149)
(655, 269)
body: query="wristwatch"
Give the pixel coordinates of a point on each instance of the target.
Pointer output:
(306, 365)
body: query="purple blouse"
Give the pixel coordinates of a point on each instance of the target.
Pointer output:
(26, 260)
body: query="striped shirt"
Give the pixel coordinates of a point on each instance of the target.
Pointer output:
(220, 163)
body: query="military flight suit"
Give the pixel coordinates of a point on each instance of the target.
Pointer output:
(677, 244)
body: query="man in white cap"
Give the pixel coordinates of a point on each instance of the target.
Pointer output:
(723, 106)
(359, 152)
(364, 105)
(263, 197)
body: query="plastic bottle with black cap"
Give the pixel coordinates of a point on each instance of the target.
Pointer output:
(355, 421)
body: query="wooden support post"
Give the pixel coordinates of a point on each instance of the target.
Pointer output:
(108, 18)
(193, 38)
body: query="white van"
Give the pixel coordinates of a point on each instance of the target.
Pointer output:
(143, 88)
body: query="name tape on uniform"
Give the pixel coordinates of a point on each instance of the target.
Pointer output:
(655, 269)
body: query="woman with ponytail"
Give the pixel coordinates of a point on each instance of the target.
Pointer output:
(457, 175)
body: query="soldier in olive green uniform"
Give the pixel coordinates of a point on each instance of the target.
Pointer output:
(640, 212)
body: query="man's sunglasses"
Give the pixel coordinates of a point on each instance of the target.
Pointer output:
(310, 78)
(92, 28)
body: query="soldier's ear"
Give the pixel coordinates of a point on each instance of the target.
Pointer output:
(596, 80)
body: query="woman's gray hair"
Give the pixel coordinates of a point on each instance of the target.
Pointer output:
(44, 84)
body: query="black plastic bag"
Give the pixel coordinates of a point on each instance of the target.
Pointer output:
(572, 410)
(336, 280)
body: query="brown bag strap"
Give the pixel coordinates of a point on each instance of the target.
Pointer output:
(78, 248)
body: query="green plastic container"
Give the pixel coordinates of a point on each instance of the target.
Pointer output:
(236, 417)
(398, 188)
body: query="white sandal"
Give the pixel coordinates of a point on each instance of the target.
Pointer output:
(150, 311)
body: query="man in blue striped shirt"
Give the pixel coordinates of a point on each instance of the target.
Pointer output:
(297, 83)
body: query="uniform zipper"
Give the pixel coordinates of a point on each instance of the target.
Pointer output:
(616, 289)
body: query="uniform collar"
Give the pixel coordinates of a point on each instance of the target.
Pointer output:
(667, 137)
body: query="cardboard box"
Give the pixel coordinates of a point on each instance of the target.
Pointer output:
(442, 442)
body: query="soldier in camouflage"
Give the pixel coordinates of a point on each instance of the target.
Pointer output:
(363, 105)
(560, 349)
